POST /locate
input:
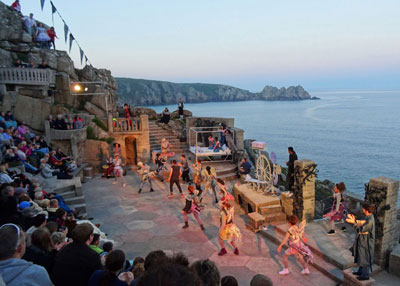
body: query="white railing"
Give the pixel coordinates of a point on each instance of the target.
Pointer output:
(26, 76)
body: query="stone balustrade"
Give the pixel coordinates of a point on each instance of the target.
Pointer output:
(126, 125)
(27, 76)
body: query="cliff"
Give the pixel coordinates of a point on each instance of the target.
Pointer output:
(25, 100)
(151, 92)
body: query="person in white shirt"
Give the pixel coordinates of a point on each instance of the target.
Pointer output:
(30, 24)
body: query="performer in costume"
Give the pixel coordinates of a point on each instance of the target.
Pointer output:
(338, 210)
(160, 166)
(228, 230)
(209, 176)
(165, 145)
(192, 206)
(118, 170)
(295, 239)
(145, 176)
(108, 170)
(174, 177)
(364, 245)
(226, 196)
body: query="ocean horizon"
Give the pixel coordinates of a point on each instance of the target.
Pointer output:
(352, 135)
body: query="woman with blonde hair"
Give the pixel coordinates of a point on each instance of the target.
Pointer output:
(228, 230)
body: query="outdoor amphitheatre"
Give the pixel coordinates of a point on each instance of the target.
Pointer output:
(176, 199)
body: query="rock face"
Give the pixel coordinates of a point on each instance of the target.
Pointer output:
(151, 92)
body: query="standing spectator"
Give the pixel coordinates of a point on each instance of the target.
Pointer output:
(41, 36)
(290, 164)
(14, 270)
(16, 6)
(364, 245)
(128, 115)
(174, 176)
(30, 25)
(180, 108)
(76, 262)
(52, 35)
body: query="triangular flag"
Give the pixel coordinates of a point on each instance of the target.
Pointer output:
(81, 52)
(53, 10)
(71, 39)
(86, 59)
(66, 29)
(42, 3)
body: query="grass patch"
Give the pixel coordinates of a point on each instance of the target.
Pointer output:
(100, 124)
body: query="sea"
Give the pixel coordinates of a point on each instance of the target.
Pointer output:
(352, 136)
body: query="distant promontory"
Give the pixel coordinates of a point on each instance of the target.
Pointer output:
(152, 92)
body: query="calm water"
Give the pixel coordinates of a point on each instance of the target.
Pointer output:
(351, 136)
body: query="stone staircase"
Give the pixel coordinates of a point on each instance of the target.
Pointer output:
(225, 170)
(157, 133)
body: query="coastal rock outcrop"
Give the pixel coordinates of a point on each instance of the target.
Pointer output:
(151, 92)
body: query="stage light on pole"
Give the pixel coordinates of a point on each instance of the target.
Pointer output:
(77, 87)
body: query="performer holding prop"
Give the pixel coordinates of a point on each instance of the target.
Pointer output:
(295, 239)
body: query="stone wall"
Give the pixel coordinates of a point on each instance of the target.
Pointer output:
(97, 153)
(383, 192)
(304, 190)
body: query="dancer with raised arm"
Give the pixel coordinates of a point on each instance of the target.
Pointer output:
(145, 176)
(209, 175)
(192, 206)
(228, 230)
(295, 239)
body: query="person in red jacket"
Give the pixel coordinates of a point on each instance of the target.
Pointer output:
(16, 6)
(52, 34)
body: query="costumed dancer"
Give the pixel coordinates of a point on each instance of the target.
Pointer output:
(165, 145)
(338, 210)
(145, 176)
(228, 230)
(118, 170)
(364, 245)
(295, 239)
(192, 206)
(174, 176)
(226, 196)
(159, 162)
(185, 169)
(209, 176)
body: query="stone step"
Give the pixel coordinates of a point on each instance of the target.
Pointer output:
(266, 210)
(75, 200)
(319, 263)
(275, 217)
(225, 171)
(69, 194)
(226, 177)
(80, 207)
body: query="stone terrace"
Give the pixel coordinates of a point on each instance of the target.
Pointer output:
(149, 221)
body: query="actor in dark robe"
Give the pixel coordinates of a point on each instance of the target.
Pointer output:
(290, 164)
(364, 245)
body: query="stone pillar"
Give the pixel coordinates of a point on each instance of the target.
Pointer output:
(143, 141)
(304, 189)
(239, 138)
(383, 193)
(110, 123)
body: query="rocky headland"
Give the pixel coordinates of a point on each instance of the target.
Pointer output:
(152, 92)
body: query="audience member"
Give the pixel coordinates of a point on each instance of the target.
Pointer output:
(94, 245)
(16, 6)
(171, 274)
(207, 271)
(245, 167)
(78, 122)
(8, 206)
(43, 65)
(76, 262)
(60, 123)
(14, 270)
(229, 281)
(261, 280)
(52, 35)
(165, 116)
(30, 25)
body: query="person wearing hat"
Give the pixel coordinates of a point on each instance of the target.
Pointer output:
(145, 176)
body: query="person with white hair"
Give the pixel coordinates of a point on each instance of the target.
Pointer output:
(145, 176)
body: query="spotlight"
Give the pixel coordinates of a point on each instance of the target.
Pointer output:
(86, 89)
(77, 87)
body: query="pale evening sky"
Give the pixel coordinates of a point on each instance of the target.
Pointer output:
(333, 45)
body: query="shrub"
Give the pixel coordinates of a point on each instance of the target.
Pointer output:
(90, 133)
(100, 124)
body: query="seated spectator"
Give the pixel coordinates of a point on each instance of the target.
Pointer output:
(94, 245)
(43, 143)
(59, 240)
(229, 281)
(245, 167)
(5, 137)
(78, 122)
(217, 145)
(61, 217)
(14, 161)
(153, 260)
(53, 207)
(165, 116)
(19, 64)
(114, 264)
(4, 177)
(171, 274)
(51, 122)
(207, 271)
(41, 200)
(61, 156)
(69, 121)
(60, 123)
(108, 247)
(21, 155)
(31, 65)
(14, 270)
(3, 124)
(46, 171)
(261, 280)
(39, 220)
(41, 251)
(138, 270)
(43, 65)
(52, 226)
(8, 206)
(10, 120)
(76, 262)
(24, 131)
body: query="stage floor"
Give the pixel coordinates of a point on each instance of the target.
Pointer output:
(150, 221)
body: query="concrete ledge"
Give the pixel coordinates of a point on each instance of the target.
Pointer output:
(351, 280)
(394, 261)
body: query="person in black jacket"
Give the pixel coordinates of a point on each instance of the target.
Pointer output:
(8, 206)
(290, 164)
(76, 262)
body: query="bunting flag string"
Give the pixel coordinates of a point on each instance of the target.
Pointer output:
(71, 39)
(53, 10)
(42, 3)
(68, 34)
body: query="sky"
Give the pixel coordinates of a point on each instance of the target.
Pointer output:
(321, 45)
